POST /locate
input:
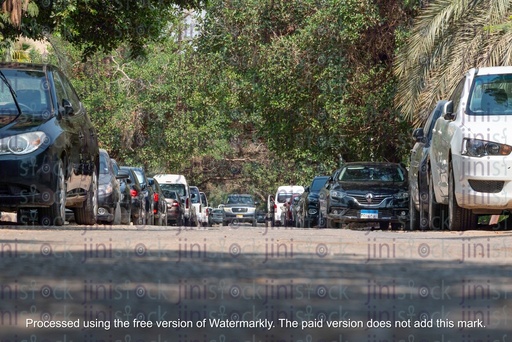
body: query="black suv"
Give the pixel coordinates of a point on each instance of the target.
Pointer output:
(307, 211)
(366, 192)
(240, 208)
(147, 192)
(49, 153)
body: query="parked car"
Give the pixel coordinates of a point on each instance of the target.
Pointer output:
(420, 186)
(366, 192)
(109, 192)
(159, 204)
(195, 198)
(470, 149)
(124, 188)
(179, 184)
(49, 155)
(307, 211)
(240, 208)
(175, 210)
(203, 216)
(283, 194)
(138, 210)
(147, 191)
(217, 216)
(289, 214)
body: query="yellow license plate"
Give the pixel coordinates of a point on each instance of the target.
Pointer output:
(239, 216)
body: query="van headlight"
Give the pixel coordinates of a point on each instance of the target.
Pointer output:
(482, 148)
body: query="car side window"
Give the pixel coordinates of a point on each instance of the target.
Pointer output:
(456, 95)
(66, 91)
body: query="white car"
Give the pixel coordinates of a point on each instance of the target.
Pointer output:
(179, 184)
(471, 166)
(284, 193)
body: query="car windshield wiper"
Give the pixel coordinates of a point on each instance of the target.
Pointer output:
(13, 93)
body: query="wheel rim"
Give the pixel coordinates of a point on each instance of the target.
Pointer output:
(94, 194)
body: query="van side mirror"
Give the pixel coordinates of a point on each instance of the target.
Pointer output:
(448, 111)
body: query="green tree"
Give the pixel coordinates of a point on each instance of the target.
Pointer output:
(92, 25)
(448, 38)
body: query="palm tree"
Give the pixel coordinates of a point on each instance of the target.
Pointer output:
(15, 9)
(448, 38)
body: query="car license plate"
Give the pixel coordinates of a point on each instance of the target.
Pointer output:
(239, 216)
(369, 214)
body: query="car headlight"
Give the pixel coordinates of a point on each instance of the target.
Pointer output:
(105, 189)
(228, 210)
(337, 194)
(251, 210)
(482, 148)
(22, 143)
(402, 195)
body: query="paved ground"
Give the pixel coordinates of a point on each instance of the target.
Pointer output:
(256, 284)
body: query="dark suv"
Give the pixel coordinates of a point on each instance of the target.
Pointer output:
(147, 191)
(366, 192)
(240, 208)
(49, 153)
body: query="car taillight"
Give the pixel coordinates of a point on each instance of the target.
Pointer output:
(275, 206)
(155, 197)
(155, 211)
(207, 212)
(175, 204)
(187, 204)
(133, 193)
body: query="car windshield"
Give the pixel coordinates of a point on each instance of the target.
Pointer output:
(240, 199)
(491, 95)
(104, 170)
(194, 193)
(366, 173)
(179, 188)
(318, 183)
(31, 92)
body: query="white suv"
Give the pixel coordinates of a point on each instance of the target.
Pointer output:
(471, 166)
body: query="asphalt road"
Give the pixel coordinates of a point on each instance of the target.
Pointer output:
(127, 283)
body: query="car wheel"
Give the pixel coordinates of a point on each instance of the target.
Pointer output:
(436, 212)
(117, 214)
(414, 222)
(384, 225)
(125, 216)
(396, 226)
(87, 213)
(254, 222)
(321, 221)
(458, 218)
(55, 215)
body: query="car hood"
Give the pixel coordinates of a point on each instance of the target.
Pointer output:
(374, 187)
(15, 122)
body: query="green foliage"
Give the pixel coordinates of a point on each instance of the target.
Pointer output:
(271, 93)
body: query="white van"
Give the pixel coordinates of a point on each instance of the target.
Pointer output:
(284, 193)
(179, 184)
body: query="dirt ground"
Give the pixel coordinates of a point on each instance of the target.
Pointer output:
(121, 283)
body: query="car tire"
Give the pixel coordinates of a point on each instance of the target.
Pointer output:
(414, 221)
(396, 226)
(55, 215)
(86, 215)
(458, 218)
(117, 215)
(321, 220)
(125, 216)
(384, 225)
(254, 222)
(436, 211)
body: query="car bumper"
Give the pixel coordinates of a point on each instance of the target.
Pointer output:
(229, 217)
(106, 206)
(483, 183)
(350, 210)
(27, 181)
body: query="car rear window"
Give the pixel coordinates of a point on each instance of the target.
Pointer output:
(179, 188)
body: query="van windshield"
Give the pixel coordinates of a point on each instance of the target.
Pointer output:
(491, 95)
